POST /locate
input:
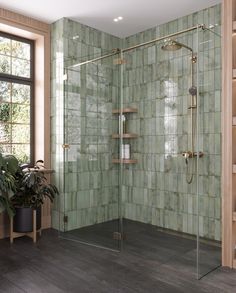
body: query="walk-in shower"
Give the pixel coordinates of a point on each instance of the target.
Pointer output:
(141, 203)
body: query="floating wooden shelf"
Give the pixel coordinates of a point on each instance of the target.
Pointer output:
(234, 168)
(124, 135)
(125, 110)
(234, 216)
(234, 25)
(124, 161)
(234, 73)
(234, 120)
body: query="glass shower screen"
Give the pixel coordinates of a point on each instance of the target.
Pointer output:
(91, 181)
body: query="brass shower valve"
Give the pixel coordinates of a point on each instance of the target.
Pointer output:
(189, 154)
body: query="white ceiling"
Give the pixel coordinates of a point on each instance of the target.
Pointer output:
(138, 15)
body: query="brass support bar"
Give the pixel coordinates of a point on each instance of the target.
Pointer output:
(119, 61)
(165, 37)
(117, 50)
(114, 52)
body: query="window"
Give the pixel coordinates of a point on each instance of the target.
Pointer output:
(16, 96)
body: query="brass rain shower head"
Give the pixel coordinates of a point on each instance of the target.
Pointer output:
(171, 45)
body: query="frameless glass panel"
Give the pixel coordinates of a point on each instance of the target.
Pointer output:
(91, 191)
(159, 152)
(209, 143)
(159, 189)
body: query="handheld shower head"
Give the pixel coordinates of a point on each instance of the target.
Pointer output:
(193, 90)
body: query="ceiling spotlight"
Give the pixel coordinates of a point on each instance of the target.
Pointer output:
(118, 18)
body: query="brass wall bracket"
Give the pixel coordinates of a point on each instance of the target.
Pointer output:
(65, 146)
(119, 61)
(194, 59)
(118, 236)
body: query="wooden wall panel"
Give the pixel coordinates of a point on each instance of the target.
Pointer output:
(228, 135)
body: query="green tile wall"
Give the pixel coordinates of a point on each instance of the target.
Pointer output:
(156, 82)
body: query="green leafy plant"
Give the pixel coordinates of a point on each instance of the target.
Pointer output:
(32, 188)
(23, 186)
(9, 168)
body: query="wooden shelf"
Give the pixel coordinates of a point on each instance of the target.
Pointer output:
(234, 25)
(234, 121)
(125, 110)
(234, 73)
(234, 216)
(124, 135)
(124, 161)
(234, 168)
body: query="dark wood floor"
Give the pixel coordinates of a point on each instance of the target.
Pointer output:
(149, 263)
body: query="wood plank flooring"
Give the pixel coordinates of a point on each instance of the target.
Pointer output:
(150, 262)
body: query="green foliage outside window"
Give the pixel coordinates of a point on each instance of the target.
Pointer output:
(15, 97)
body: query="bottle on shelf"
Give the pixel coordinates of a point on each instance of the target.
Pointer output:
(123, 120)
(125, 151)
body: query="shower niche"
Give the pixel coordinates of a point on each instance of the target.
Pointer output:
(124, 135)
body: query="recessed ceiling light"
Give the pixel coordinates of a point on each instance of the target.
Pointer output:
(118, 18)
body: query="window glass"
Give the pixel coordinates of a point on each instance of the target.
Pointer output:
(16, 100)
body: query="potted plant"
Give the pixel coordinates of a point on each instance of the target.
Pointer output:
(9, 168)
(32, 188)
